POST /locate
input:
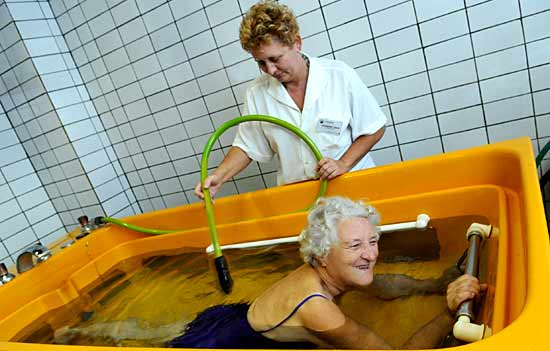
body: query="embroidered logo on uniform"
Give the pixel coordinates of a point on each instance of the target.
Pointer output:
(329, 126)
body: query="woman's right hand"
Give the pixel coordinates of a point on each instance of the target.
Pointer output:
(465, 288)
(212, 182)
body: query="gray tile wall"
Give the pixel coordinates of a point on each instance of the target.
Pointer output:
(151, 80)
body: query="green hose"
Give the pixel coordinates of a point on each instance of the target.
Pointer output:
(206, 154)
(542, 153)
(138, 228)
(220, 263)
(224, 277)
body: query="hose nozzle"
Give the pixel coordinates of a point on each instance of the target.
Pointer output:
(224, 276)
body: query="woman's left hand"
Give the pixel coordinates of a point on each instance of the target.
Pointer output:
(328, 168)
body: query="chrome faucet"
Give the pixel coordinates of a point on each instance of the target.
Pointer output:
(5, 276)
(85, 227)
(31, 256)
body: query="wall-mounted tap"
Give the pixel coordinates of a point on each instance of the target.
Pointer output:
(85, 227)
(31, 256)
(5, 276)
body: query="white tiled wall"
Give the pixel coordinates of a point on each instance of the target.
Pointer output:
(115, 99)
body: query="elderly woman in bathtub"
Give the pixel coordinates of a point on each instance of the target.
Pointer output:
(340, 248)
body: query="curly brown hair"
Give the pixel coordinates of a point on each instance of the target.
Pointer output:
(265, 21)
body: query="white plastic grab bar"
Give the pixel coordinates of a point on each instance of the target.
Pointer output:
(421, 222)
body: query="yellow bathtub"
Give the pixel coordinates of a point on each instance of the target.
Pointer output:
(498, 182)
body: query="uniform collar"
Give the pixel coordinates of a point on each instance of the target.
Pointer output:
(316, 81)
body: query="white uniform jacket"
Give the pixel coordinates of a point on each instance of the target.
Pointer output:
(338, 108)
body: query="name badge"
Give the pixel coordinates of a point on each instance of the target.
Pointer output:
(329, 126)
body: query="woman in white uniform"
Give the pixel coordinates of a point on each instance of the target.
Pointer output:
(324, 98)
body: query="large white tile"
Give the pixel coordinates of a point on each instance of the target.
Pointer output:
(505, 86)
(179, 74)
(24, 184)
(101, 24)
(21, 11)
(446, 27)
(422, 148)
(139, 49)
(199, 44)
(538, 52)
(397, 42)
(186, 92)
(392, 19)
(465, 140)
(343, 11)
(540, 77)
(509, 109)
(227, 32)
(350, 33)
(456, 98)
(536, 27)
(77, 16)
(409, 87)
(92, 8)
(142, 68)
(147, 5)
(413, 109)
(497, 38)
(233, 53)
(115, 60)
(460, 120)
(213, 82)
(358, 55)
(124, 12)
(543, 125)
(109, 42)
(220, 100)
(193, 24)
(160, 101)
(453, 75)
(20, 240)
(529, 7)
(206, 63)
(132, 30)
(403, 65)
(450, 51)
(417, 130)
(501, 62)
(158, 18)
(542, 102)
(492, 13)
(192, 109)
(386, 156)
(428, 9)
(174, 134)
(41, 46)
(310, 23)
(241, 72)
(184, 8)
(511, 130)
(222, 11)
(172, 56)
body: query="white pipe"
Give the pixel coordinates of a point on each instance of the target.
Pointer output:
(466, 331)
(421, 223)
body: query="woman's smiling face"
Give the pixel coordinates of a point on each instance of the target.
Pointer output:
(351, 262)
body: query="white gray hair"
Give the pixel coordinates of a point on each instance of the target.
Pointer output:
(321, 231)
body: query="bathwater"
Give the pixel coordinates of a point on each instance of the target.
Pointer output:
(164, 293)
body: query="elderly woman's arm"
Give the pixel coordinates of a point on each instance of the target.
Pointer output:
(327, 322)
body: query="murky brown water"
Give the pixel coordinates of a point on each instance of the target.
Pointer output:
(171, 290)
